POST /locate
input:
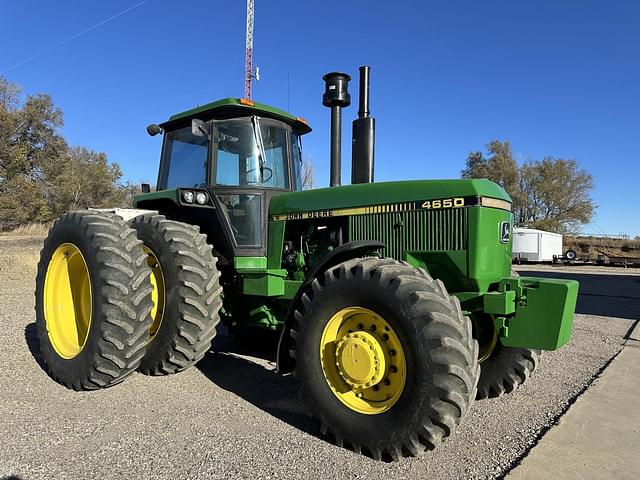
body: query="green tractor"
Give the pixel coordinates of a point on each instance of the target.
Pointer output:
(395, 301)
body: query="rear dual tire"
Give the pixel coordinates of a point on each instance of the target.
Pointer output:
(113, 297)
(191, 294)
(92, 300)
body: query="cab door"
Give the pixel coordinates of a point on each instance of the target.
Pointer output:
(251, 164)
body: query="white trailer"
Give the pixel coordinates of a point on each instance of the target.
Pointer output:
(531, 245)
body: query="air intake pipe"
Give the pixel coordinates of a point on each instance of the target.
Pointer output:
(364, 135)
(336, 96)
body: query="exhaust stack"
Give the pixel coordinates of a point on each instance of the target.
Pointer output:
(336, 96)
(364, 134)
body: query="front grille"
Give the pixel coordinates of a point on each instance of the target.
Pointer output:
(421, 230)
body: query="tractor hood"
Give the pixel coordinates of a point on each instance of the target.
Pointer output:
(389, 196)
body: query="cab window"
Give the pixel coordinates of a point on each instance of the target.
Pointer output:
(275, 168)
(237, 154)
(247, 156)
(244, 214)
(185, 157)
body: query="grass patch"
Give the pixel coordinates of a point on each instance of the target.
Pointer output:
(28, 230)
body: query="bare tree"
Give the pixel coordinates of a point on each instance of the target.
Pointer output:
(308, 174)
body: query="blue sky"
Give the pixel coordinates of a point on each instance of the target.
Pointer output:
(555, 78)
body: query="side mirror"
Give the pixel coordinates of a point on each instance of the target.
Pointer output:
(199, 128)
(154, 129)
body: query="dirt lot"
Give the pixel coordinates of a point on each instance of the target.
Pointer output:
(233, 417)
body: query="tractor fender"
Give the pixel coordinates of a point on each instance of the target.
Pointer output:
(125, 213)
(346, 251)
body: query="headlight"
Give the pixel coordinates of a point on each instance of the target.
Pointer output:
(201, 198)
(187, 196)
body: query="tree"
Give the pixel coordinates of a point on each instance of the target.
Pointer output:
(84, 178)
(551, 194)
(558, 194)
(308, 174)
(501, 168)
(29, 141)
(40, 175)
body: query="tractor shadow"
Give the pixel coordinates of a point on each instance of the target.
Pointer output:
(33, 343)
(244, 367)
(229, 366)
(606, 295)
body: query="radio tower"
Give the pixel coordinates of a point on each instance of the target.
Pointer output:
(248, 59)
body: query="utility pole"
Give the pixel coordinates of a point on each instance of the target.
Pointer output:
(248, 59)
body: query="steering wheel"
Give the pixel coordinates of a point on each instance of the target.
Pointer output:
(267, 169)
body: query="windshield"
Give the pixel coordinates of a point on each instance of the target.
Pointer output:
(186, 155)
(251, 152)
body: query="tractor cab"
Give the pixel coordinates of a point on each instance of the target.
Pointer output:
(227, 160)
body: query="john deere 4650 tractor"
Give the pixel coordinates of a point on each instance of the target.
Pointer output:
(395, 301)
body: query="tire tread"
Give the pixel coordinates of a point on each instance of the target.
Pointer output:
(198, 291)
(125, 305)
(448, 334)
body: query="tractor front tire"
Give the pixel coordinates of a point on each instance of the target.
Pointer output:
(384, 357)
(93, 300)
(187, 294)
(505, 370)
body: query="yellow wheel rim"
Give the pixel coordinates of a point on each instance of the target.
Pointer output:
(157, 294)
(363, 360)
(67, 301)
(487, 347)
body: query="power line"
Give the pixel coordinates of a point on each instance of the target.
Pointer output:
(73, 37)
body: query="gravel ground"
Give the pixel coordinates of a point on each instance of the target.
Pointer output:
(233, 417)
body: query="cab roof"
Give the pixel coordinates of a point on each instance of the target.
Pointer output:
(237, 107)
